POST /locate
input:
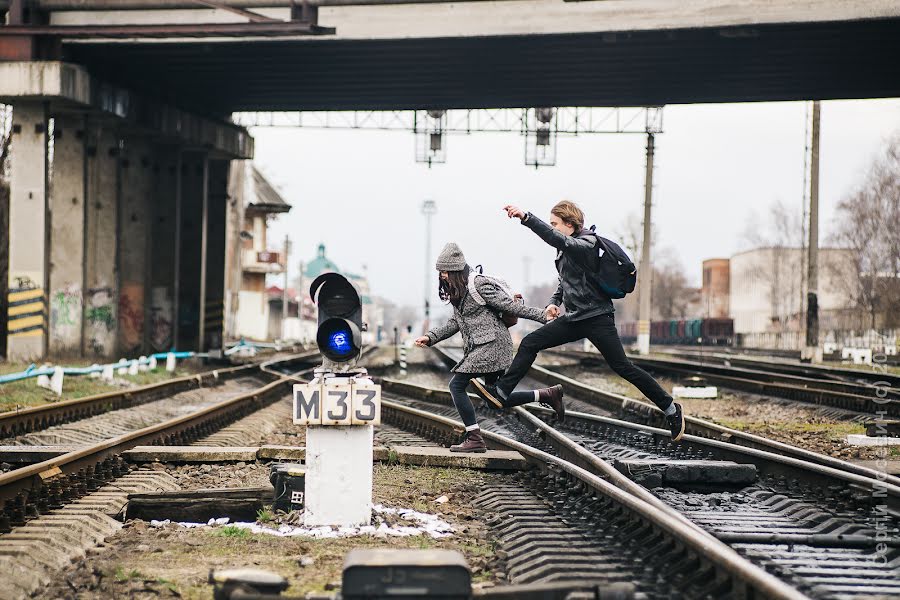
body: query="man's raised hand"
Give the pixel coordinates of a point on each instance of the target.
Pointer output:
(514, 212)
(423, 342)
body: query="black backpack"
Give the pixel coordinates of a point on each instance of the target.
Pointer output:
(616, 272)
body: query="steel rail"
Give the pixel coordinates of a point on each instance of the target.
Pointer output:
(32, 478)
(866, 399)
(35, 418)
(770, 462)
(649, 414)
(756, 582)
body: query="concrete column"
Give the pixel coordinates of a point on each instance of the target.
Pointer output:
(215, 253)
(28, 233)
(233, 245)
(190, 251)
(67, 216)
(101, 276)
(136, 187)
(162, 251)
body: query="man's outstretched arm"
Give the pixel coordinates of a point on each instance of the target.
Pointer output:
(557, 239)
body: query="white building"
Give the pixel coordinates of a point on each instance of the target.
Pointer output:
(766, 289)
(253, 202)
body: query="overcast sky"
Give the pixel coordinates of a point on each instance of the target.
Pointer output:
(718, 168)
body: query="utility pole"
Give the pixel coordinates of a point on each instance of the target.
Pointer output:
(429, 208)
(284, 292)
(813, 352)
(645, 276)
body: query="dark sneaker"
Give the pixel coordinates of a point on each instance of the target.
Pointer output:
(473, 442)
(676, 423)
(552, 397)
(487, 392)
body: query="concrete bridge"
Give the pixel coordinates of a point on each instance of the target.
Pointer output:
(131, 194)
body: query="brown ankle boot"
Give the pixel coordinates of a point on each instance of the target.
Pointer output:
(553, 397)
(473, 442)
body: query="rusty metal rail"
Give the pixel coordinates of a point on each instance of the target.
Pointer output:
(869, 399)
(37, 488)
(736, 574)
(36, 418)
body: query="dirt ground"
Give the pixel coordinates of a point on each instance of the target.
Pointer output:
(143, 562)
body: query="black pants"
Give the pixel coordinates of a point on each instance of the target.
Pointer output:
(460, 381)
(601, 331)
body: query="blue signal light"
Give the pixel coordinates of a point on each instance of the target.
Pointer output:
(340, 342)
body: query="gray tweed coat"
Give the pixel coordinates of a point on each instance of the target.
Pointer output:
(486, 341)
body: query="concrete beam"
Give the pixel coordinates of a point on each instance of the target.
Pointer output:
(28, 232)
(70, 88)
(392, 19)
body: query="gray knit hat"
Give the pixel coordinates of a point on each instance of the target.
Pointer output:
(450, 259)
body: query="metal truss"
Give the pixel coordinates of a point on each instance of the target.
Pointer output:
(569, 121)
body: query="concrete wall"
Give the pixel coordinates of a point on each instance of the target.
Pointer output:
(28, 269)
(215, 265)
(67, 215)
(253, 315)
(191, 233)
(135, 231)
(161, 316)
(101, 290)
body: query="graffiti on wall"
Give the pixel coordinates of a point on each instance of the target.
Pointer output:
(99, 316)
(160, 319)
(65, 307)
(131, 316)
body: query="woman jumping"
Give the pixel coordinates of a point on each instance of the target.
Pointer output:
(477, 303)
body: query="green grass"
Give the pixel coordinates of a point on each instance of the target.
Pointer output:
(232, 531)
(264, 515)
(25, 393)
(122, 575)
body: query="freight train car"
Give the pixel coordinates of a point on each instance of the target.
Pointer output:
(677, 332)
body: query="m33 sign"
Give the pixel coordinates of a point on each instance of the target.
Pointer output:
(337, 403)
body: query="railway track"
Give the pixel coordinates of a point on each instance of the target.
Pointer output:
(647, 414)
(35, 489)
(816, 528)
(868, 399)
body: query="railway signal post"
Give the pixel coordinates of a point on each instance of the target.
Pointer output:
(340, 407)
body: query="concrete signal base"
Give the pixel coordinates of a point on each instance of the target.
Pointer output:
(339, 475)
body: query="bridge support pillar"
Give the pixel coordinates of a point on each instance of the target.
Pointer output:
(135, 234)
(67, 239)
(28, 234)
(214, 317)
(163, 250)
(101, 289)
(189, 256)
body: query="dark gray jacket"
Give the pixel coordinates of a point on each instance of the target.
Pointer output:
(577, 264)
(486, 341)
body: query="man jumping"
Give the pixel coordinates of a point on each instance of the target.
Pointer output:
(589, 314)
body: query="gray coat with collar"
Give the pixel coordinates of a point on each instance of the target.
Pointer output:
(487, 345)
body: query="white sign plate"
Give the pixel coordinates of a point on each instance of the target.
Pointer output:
(337, 399)
(366, 404)
(307, 404)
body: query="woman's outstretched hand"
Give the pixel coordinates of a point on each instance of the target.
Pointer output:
(514, 212)
(423, 342)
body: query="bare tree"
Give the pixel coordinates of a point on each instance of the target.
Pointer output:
(866, 225)
(671, 297)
